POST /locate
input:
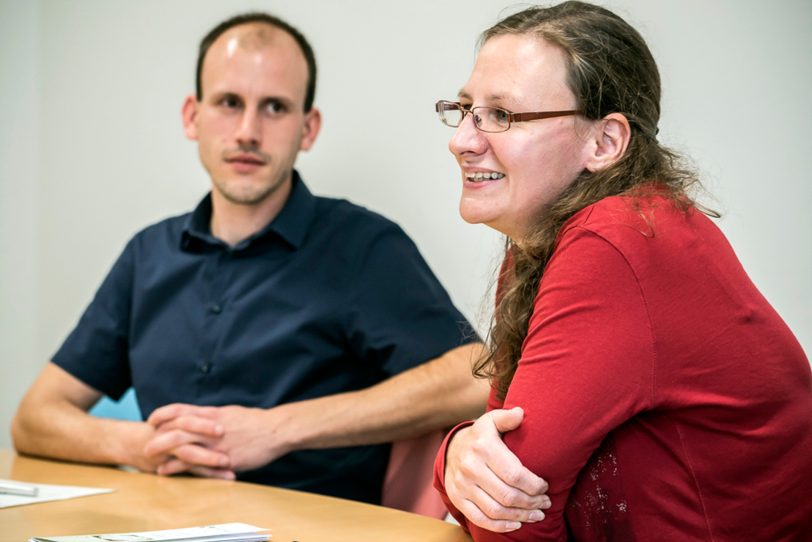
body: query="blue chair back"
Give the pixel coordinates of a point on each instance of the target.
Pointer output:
(124, 409)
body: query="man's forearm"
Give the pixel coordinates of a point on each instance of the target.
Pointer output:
(65, 432)
(435, 395)
(52, 421)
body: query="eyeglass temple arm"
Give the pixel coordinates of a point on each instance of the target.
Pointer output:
(445, 105)
(522, 117)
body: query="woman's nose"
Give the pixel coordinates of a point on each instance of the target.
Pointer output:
(467, 139)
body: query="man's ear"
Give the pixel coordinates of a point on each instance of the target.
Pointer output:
(188, 113)
(612, 135)
(312, 125)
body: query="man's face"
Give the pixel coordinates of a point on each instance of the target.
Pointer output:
(250, 122)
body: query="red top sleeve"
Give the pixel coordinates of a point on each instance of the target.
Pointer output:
(586, 367)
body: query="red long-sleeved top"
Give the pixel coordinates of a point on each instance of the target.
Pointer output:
(664, 398)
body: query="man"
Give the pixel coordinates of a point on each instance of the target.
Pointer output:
(290, 333)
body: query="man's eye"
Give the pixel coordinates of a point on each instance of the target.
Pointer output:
(231, 102)
(275, 107)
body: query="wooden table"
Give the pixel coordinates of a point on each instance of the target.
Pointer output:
(145, 502)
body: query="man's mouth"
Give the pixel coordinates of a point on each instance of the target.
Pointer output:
(245, 159)
(480, 176)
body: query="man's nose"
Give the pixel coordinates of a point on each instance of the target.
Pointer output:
(249, 130)
(467, 139)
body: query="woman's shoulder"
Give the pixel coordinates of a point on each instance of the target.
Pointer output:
(635, 217)
(649, 231)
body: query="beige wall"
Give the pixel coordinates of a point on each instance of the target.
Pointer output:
(92, 148)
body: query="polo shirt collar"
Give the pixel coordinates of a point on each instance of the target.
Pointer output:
(291, 224)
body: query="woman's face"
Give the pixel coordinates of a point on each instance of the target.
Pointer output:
(533, 160)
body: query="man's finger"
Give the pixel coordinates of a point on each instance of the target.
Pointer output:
(193, 424)
(205, 472)
(176, 466)
(172, 466)
(200, 456)
(165, 443)
(169, 412)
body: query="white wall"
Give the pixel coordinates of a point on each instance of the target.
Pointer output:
(20, 160)
(92, 147)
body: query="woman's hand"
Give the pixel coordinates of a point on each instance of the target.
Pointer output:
(487, 482)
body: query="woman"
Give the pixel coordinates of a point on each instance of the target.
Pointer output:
(663, 397)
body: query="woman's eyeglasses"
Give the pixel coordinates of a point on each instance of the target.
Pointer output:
(490, 119)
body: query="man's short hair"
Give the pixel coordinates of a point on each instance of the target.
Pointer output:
(259, 17)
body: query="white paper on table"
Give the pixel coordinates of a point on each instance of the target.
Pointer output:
(224, 532)
(49, 492)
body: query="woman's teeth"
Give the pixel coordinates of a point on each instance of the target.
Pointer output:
(480, 176)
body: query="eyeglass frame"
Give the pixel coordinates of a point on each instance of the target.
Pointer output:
(512, 117)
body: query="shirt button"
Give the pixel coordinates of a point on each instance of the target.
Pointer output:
(215, 308)
(205, 368)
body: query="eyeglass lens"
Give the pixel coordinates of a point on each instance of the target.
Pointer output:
(450, 113)
(487, 119)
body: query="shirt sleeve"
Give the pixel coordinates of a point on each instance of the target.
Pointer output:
(587, 367)
(96, 351)
(400, 314)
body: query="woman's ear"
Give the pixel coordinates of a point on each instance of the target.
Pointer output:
(612, 135)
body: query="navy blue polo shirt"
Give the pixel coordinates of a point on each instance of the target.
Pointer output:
(328, 298)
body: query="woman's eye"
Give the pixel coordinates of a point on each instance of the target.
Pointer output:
(501, 116)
